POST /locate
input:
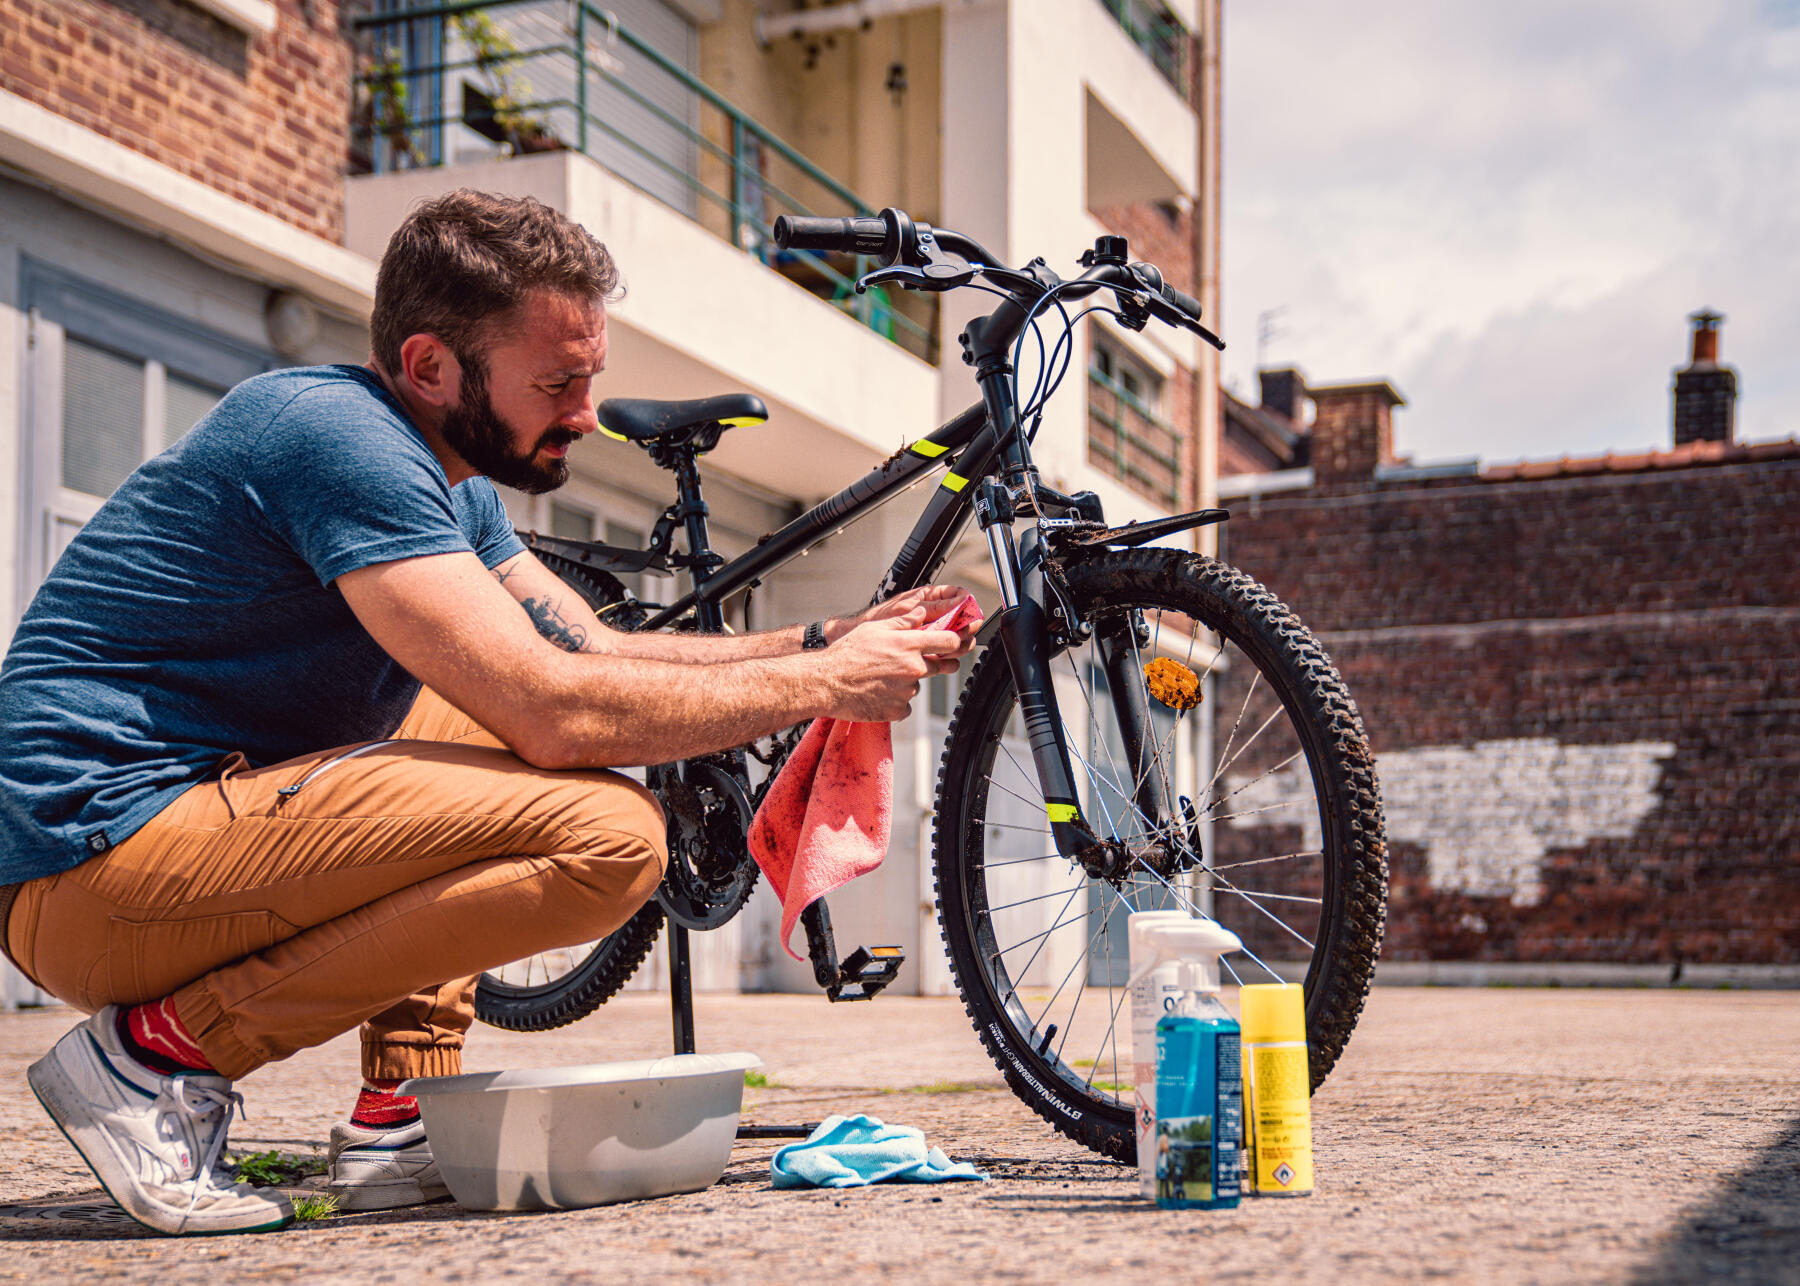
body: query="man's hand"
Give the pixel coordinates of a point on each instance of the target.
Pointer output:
(873, 672)
(929, 602)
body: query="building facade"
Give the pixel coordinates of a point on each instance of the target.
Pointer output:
(198, 190)
(1577, 674)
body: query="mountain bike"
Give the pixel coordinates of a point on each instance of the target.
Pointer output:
(1140, 728)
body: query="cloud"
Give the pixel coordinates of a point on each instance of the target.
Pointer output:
(1509, 210)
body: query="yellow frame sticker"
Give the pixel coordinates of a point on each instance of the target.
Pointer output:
(927, 448)
(1062, 812)
(956, 482)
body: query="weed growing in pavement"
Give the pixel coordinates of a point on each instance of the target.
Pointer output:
(315, 1205)
(758, 1081)
(271, 1169)
(944, 1087)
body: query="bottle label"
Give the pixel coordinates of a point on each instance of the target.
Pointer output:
(1280, 1119)
(1197, 1140)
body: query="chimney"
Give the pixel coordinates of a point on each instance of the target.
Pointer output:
(1352, 431)
(1283, 393)
(1705, 392)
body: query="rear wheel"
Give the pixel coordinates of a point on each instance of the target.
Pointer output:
(1266, 817)
(554, 988)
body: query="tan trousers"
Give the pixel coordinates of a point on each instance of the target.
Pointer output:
(279, 920)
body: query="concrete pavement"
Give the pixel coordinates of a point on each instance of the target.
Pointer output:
(1469, 1135)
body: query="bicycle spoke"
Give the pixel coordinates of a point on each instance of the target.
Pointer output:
(1286, 803)
(1274, 714)
(1246, 786)
(1191, 908)
(1237, 723)
(1039, 898)
(1080, 961)
(1257, 861)
(1285, 926)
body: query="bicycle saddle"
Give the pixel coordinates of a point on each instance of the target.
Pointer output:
(639, 419)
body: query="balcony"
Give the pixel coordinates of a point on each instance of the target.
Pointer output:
(1154, 28)
(1128, 440)
(469, 82)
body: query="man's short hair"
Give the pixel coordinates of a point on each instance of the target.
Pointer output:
(461, 260)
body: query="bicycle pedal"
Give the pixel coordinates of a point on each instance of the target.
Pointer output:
(864, 972)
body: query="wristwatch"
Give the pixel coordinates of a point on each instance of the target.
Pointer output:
(815, 637)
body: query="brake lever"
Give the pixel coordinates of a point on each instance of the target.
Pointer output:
(933, 277)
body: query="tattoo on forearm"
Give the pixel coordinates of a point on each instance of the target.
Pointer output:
(568, 635)
(503, 575)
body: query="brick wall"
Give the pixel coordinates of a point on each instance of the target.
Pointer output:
(262, 119)
(1584, 699)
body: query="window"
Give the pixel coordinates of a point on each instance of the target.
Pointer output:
(111, 382)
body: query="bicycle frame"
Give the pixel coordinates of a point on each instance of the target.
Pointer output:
(989, 461)
(925, 550)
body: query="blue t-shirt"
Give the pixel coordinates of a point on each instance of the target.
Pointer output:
(196, 616)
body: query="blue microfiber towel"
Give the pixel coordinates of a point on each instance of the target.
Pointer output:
(850, 1151)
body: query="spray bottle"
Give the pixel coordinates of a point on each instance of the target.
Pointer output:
(1154, 987)
(1277, 1088)
(1193, 1149)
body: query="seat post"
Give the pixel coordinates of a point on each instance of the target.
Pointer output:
(691, 509)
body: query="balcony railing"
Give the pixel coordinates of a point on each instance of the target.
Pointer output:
(1160, 35)
(480, 78)
(1131, 442)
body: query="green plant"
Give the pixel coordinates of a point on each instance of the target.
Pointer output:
(757, 1081)
(272, 1169)
(495, 53)
(389, 117)
(315, 1205)
(943, 1087)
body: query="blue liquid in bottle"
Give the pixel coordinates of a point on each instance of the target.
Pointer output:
(1199, 1106)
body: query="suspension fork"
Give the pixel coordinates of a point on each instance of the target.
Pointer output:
(1025, 633)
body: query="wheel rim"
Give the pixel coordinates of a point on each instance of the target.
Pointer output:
(1049, 939)
(544, 971)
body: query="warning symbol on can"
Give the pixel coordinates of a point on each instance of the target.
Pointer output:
(1284, 1174)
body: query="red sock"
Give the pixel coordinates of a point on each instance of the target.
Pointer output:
(379, 1108)
(153, 1034)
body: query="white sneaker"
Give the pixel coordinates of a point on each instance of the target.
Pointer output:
(383, 1169)
(152, 1140)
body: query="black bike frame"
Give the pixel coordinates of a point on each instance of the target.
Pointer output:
(923, 554)
(980, 444)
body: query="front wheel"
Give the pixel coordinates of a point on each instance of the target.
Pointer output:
(1259, 808)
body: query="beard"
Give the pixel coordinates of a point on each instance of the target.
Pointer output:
(476, 432)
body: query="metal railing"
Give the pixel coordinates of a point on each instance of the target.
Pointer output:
(1160, 35)
(544, 75)
(1130, 441)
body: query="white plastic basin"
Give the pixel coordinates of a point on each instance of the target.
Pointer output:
(566, 1137)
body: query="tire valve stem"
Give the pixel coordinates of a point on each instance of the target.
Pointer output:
(1049, 1035)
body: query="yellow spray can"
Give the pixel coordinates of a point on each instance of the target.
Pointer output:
(1277, 1091)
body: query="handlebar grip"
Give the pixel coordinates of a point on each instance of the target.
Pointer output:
(863, 236)
(1184, 303)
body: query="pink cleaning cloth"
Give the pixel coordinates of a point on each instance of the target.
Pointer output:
(825, 820)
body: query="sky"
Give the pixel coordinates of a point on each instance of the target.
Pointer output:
(1509, 209)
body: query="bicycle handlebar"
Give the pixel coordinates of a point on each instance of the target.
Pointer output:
(860, 236)
(893, 238)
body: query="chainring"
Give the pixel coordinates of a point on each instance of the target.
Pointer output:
(710, 875)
